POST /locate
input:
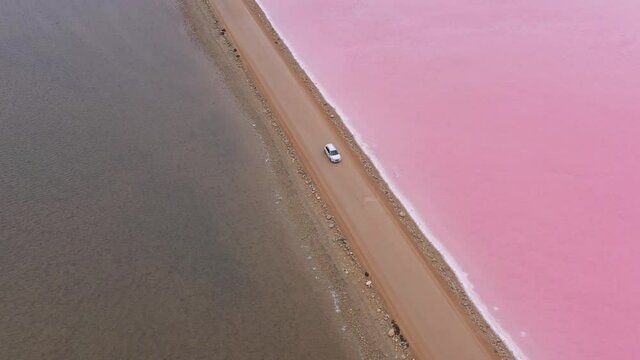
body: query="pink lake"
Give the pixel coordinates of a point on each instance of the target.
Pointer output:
(512, 130)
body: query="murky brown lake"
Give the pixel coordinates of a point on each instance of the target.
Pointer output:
(139, 218)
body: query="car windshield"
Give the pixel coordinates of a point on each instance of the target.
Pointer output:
(333, 152)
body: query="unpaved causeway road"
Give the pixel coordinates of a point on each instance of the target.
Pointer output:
(436, 327)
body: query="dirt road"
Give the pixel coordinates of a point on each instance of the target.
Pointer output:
(435, 326)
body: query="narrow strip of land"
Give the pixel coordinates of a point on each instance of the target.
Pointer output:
(436, 327)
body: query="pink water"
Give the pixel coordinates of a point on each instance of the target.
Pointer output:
(513, 128)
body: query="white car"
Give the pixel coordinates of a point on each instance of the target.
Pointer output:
(332, 153)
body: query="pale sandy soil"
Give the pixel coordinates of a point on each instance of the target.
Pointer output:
(435, 317)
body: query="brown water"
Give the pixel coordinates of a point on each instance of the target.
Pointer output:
(139, 218)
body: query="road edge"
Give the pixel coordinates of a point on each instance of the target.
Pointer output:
(437, 262)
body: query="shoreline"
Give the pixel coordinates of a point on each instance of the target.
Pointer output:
(430, 247)
(364, 320)
(437, 264)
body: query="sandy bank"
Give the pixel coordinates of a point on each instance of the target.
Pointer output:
(423, 295)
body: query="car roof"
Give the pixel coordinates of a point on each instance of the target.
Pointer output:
(330, 146)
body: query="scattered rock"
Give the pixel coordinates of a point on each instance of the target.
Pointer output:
(332, 225)
(391, 332)
(329, 217)
(395, 326)
(368, 283)
(402, 214)
(331, 116)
